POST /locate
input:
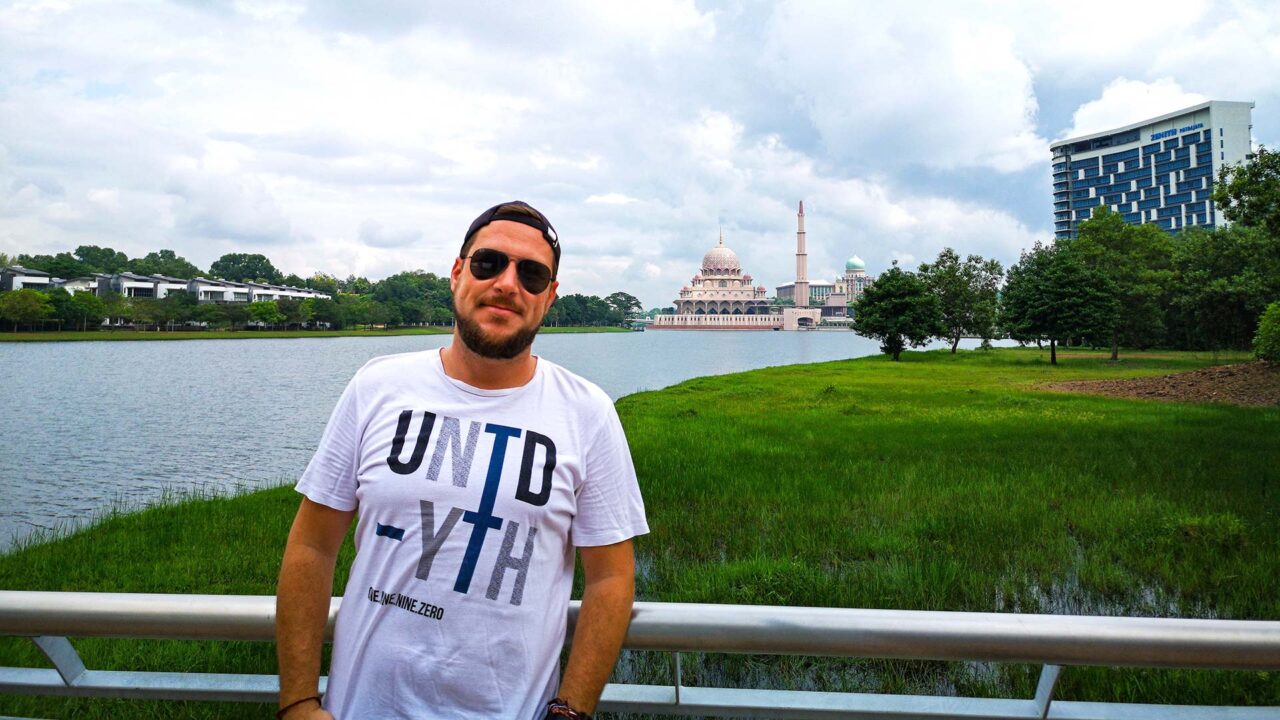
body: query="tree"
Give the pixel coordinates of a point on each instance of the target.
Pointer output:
(355, 285)
(1266, 344)
(24, 306)
(177, 307)
(1223, 279)
(6, 261)
(327, 284)
(404, 295)
(1137, 259)
(1050, 295)
(236, 314)
(624, 305)
(145, 311)
(327, 311)
(899, 311)
(296, 312)
(1250, 193)
(164, 262)
(60, 306)
(293, 280)
(245, 267)
(211, 314)
(87, 310)
(266, 312)
(62, 265)
(102, 259)
(113, 304)
(966, 293)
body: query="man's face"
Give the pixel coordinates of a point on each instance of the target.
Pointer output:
(498, 318)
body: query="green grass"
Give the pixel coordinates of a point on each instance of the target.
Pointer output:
(941, 482)
(75, 335)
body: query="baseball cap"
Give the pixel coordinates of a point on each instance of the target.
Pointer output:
(539, 223)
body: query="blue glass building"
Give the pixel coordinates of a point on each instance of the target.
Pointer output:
(1156, 171)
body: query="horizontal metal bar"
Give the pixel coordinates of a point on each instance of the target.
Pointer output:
(653, 699)
(769, 630)
(142, 615)
(923, 635)
(143, 685)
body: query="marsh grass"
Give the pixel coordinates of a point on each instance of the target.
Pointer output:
(937, 483)
(955, 483)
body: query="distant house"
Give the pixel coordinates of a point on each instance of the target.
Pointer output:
(16, 277)
(207, 290)
(166, 285)
(86, 283)
(133, 286)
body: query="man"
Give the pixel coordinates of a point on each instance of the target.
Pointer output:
(475, 470)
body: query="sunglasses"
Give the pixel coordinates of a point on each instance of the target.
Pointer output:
(487, 263)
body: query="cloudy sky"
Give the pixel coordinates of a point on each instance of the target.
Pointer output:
(363, 140)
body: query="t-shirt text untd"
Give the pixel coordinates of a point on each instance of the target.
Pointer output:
(470, 504)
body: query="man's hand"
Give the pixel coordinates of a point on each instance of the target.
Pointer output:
(302, 602)
(603, 619)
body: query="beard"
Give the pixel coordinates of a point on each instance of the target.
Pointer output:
(495, 349)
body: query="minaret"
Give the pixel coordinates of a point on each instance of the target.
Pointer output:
(802, 262)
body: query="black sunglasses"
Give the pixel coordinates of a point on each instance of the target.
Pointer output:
(488, 263)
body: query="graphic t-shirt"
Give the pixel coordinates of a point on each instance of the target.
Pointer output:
(470, 505)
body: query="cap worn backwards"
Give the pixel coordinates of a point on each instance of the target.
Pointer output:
(536, 220)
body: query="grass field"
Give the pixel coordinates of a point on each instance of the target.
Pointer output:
(76, 336)
(941, 482)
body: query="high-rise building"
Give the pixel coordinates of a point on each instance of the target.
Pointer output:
(1156, 171)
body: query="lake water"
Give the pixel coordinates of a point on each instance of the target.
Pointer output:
(89, 424)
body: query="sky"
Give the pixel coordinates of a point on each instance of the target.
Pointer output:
(363, 138)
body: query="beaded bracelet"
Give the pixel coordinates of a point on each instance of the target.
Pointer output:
(280, 713)
(559, 708)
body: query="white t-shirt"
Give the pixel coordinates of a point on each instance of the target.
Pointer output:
(470, 505)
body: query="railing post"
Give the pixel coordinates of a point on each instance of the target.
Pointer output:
(64, 657)
(1044, 690)
(676, 674)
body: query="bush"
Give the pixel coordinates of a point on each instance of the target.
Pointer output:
(1266, 344)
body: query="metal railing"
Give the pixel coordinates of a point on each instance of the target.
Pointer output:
(1053, 641)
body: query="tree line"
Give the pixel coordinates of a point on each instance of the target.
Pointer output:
(1113, 285)
(410, 298)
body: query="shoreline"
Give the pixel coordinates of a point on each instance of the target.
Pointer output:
(151, 335)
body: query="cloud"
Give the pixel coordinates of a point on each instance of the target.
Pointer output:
(951, 91)
(374, 234)
(612, 198)
(357, 139)
(1125, 101)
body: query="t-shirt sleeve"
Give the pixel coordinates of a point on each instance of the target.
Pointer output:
(610, 508)
(330, 477)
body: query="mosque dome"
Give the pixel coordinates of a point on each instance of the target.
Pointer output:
(855, 263)
(720, 260)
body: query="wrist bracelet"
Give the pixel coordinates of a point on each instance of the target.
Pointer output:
(280, 713)
(558, 708)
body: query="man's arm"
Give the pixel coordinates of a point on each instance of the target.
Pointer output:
(610, 573)
(302, 602)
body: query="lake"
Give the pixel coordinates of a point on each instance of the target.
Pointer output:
(92, 424)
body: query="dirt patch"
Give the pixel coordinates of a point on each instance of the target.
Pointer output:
(1255, 384)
